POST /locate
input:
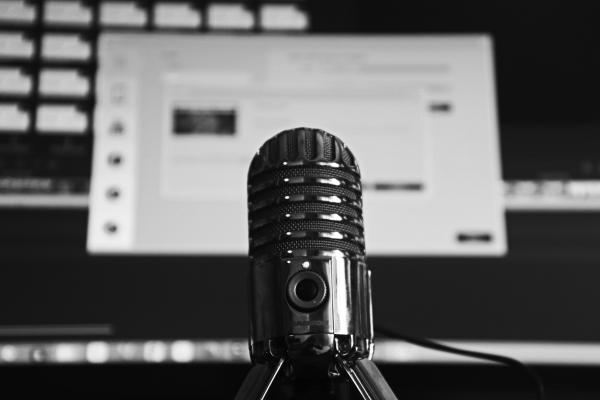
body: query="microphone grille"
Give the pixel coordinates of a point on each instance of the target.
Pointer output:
(304, 195)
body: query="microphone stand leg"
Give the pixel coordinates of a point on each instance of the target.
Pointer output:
(259, 380)
(367, 379)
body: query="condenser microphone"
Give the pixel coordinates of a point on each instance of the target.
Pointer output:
(310, 287)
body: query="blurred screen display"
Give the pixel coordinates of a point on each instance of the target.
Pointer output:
(418, 112)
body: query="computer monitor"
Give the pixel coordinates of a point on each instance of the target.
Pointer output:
(179, 117)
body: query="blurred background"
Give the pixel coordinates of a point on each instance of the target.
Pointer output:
(174, 324)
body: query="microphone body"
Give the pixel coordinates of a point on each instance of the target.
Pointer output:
(310, 287)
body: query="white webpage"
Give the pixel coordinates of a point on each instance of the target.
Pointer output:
(179, 118)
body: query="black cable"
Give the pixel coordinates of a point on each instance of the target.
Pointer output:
(508, 361)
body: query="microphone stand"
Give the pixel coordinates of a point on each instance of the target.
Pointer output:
(362, 374)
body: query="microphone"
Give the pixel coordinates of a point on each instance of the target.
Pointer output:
(309, 284)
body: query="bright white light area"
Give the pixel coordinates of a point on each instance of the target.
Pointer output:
(97, 352)
(68, 353)
(182, 351)
(8, 353)
(155, 351)
(129, 351)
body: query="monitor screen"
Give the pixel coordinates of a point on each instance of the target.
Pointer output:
(175, 134)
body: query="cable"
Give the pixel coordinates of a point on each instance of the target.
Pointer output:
(508, 361)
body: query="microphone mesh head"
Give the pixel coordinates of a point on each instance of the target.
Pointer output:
(304, 195)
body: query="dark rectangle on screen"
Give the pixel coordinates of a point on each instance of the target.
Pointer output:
(390, 186)
(482, 237)
(188, 121)
(440, 107)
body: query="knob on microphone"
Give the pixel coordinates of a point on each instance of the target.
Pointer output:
(310, 291)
